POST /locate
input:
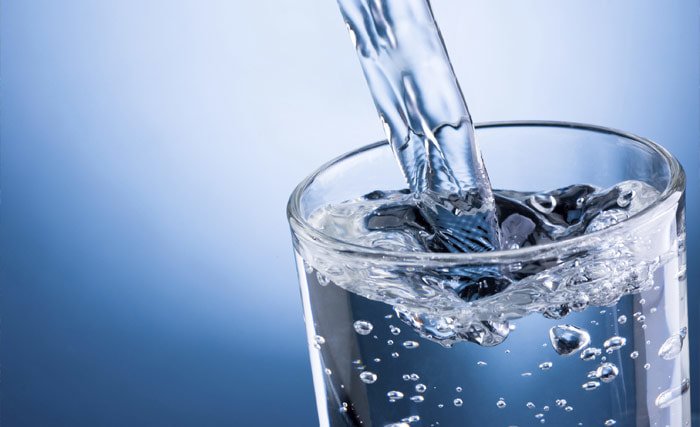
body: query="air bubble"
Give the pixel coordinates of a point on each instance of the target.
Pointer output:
(458, 389)
(590, 385)
(421, 388)
(458, 402)
(414, 377)
(328, 371)
(569, 408)
(607, 372)
(544, 203)
(610, 422)
(590, 353)
(410, 344)
(614, 343)
(394, 330)
(530, 405)
(622, 319)
(321, 279)
(368, 377)
(672, 347)
(417, 399)
(625, 198)
(666, 398)
(363, 327)
(481, 363)
(546, 366)
(634, 354)
(395, 355)
(406, 377)
(501, 403)
(394, 395)
(568, 339)
(560, 402)
(308, 268)
(647, 366)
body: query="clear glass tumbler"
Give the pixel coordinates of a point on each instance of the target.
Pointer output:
(372, 360)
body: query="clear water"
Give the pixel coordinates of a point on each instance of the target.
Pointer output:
(594, 338)
(595, 335)
(425, 119)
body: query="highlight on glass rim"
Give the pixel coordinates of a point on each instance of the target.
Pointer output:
(463, 288)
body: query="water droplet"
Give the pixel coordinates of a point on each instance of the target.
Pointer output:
(368, 377)
(530, 405)
(634, 354)
(672, 347)
(622, 319)
(363, 327)
(394, 330)
(417, 399)
(647, 366)
(420, 388)
(569, 408)
(410, 344)
(394, 395)
(614, 343)
(481, 363)
(590, 353)
(458, 402)
(544, 203)
(545, 365)
(568, 339)
(501, 403)
(394, 355)
(458, 389)
(610, 422)
(666, 398)
(321, 279)
(607, 372)
(328, 371)
(560, 402)
(590, 385)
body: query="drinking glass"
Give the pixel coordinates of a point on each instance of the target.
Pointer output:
(373, 316)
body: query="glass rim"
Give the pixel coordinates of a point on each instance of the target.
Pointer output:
(301, 227)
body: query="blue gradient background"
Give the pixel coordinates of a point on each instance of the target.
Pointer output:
(148, 149)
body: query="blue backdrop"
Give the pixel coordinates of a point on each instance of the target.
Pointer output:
(148, 149)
